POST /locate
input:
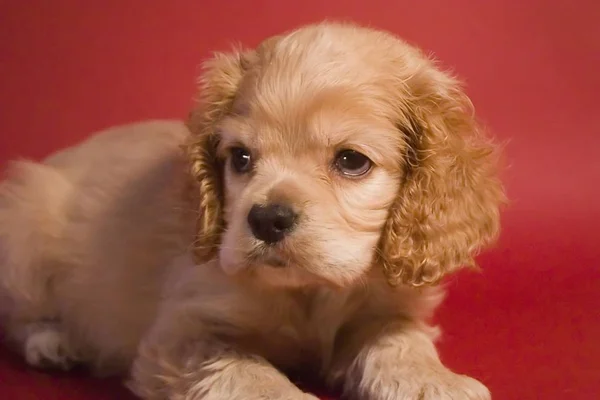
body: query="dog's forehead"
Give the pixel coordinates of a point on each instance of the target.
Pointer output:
(315, 119)
(311, 89)
(310, 62)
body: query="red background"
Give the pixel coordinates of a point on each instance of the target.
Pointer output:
(529, 326)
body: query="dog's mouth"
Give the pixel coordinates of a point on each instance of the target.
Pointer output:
(269, 257)
(276, 262)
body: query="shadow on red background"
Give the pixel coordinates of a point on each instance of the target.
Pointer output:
(529, 326)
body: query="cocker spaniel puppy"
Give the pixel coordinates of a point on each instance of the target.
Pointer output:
(331, 177)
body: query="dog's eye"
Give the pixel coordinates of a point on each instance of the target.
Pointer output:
(352, 163)
(241, 160)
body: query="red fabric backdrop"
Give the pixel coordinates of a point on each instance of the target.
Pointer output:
(529, 325)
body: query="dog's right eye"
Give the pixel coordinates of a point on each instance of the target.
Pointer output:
(241, 160)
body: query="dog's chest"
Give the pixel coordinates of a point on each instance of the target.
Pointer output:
(302, 328)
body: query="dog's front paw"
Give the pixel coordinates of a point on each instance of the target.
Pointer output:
(308, 396)
(47, 348)
(428, 385)
(442, 385)
(446, 386)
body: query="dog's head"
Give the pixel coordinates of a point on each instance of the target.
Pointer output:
(333, 149)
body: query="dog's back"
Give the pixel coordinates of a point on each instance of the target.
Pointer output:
(88, 231)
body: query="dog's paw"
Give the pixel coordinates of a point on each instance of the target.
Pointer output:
(47, 348)
(308, 396)
(442, 385)
(421, 384)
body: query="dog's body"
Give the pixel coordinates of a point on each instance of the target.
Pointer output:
(88, 236)
(101, 243)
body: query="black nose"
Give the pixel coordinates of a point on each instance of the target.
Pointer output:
(270, 223)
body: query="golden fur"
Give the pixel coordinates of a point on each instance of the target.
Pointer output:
(125, 253)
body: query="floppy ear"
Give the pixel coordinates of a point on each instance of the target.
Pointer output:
(219, 82)
(447, 207)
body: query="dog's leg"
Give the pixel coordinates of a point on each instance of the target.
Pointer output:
(397, 362)
(208, 370)
(31, 220)
(43, 344)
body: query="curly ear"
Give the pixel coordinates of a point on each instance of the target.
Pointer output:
(448, 205)
(219, 82)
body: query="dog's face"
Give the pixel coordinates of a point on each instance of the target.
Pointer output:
(334, 149)
(309, 178)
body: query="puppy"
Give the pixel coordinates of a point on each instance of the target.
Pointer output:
(330, 178)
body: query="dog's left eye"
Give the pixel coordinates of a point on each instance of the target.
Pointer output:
(352, 163)
(241, 160)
